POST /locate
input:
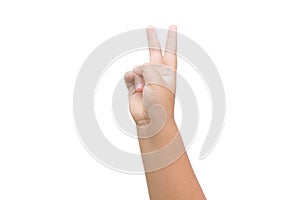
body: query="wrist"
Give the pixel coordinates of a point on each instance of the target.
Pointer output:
(148, 128)
(158, 139)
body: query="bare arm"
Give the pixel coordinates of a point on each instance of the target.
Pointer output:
(152, 90)
(176, 181)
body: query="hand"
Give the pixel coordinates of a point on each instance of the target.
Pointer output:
(151, 90)
(152, 86)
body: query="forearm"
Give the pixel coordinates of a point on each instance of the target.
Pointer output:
(152, 88)
(175, 181)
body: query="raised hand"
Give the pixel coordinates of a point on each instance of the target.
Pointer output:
(151, 90)
(152, 86)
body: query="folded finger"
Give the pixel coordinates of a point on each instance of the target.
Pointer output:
(129, 80)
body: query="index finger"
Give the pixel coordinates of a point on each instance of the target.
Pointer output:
(154, 46)
(170, 56)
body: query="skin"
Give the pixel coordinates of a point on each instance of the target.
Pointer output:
(153, 84)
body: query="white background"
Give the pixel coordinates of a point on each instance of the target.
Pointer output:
(254, 44)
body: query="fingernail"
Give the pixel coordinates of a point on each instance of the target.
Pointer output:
(139, 86)
(173, 27)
